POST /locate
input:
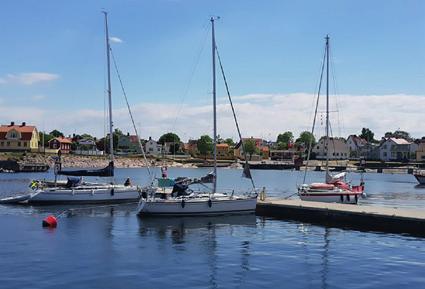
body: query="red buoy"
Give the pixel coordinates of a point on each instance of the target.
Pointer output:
(50, 222)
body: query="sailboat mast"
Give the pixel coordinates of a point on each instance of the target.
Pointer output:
(214, 107)
(111, 137)
(327, 105)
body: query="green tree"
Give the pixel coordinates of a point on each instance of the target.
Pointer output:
(367, 134)
(205, 145)
(286, 137)
(250, 147)
(170, 138)
(305, 138)
(229, 141)
(44, 137)
(56, 133)
(282, 146)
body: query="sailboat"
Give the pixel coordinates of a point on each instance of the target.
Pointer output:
(334, 189)
(186, 202)
(74, 189)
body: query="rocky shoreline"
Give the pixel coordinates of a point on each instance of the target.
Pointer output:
(77, 161)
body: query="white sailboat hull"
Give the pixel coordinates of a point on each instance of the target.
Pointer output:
(197, 206)
(331, 197)
(86, 195)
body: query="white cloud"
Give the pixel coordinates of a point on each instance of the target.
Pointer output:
(115, 39)
(28, 78)
(262, 115)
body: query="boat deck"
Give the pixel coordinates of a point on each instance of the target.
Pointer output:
(364, 218)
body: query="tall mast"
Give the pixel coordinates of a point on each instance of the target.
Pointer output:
(214, 108)
(111, 137)
(327, 105)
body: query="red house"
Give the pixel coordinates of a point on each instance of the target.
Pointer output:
(61, 143)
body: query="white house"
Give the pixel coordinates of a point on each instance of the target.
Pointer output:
(338, 149)
(356, 145)
(397, 149)
(153, 148)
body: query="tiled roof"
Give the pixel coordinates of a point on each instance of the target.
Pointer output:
(26, 131)
(399, 141)
(62, 140)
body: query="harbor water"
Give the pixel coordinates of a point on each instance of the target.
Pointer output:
(109, 247)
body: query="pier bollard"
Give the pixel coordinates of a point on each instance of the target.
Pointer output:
(263, 194)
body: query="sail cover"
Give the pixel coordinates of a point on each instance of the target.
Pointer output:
(105, 172)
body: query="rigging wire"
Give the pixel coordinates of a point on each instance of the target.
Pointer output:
(315, 115)
(234, 114)
(131, 115)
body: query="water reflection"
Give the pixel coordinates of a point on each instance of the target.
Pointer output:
(204, 235)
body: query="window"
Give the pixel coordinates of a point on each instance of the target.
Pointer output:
(8, 143)
(385, 154)
(25, 143)
(2, 143)
(19, 143)
(317, 147)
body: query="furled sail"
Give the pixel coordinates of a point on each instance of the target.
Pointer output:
(105, 172)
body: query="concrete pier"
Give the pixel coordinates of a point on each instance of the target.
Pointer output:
(358, 217)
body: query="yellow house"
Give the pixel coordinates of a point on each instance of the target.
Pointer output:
(18, 137)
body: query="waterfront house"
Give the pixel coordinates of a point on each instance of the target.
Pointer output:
(128, 144)
(397, 149)
(17, 138)
(60, 143)
(153, 148)
(337, 150)
(223, 152)
(261, 146)
(356, 145)
(191, 147)
(87, 147)
(420, 152)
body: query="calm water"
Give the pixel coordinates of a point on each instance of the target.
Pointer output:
(109, 247)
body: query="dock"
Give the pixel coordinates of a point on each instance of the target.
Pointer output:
(357, 217)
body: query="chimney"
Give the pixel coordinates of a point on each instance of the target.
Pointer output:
(24, 123)
(12, 123)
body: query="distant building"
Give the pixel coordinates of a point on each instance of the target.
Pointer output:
(223, 151)
(128, 144)
(356, 145)
(397, 149)
(282, 155)
(153, 148)
(337, 150)
(18, 137)
(191, 147)
(420, 152)
(260, 144)
(60, 143)
(87, 147)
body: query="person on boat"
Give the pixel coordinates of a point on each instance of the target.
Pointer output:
(127, 182)
(164, 173)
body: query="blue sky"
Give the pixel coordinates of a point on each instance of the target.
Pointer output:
(53, 62)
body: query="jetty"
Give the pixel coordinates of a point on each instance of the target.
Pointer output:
(357, 217)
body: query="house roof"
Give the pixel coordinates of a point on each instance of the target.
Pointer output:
(358, 140)
(222, 145)
(399, 141)
(62, 140)
(26, 131)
